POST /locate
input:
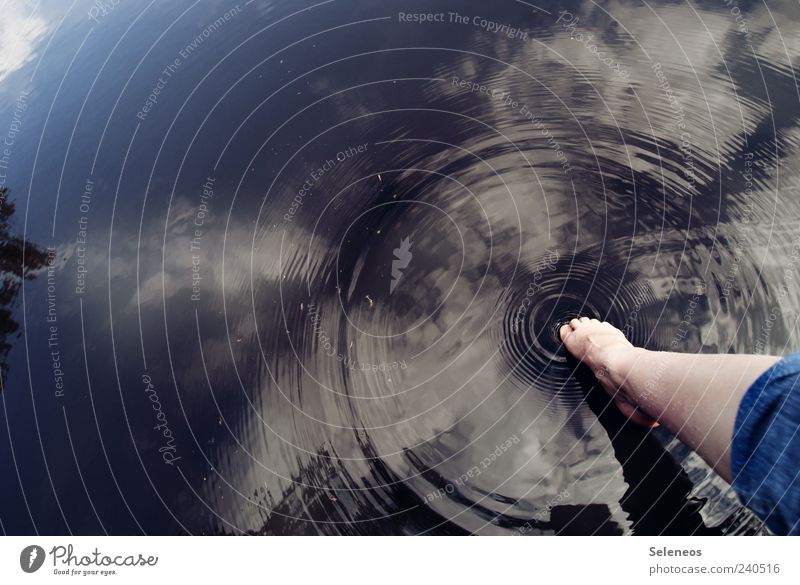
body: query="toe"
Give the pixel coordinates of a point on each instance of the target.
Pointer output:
(574, 323)
(564, 331)
(572, 343)
(584, 319)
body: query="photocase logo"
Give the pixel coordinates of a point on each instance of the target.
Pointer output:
(402, 257)
(31, 558)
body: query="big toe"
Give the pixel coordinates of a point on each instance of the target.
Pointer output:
(569, 338)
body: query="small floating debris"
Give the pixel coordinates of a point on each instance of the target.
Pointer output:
(369, 300)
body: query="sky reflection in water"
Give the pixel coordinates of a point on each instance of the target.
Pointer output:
(304, 262)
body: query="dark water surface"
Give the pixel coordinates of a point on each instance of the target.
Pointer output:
(297, 267)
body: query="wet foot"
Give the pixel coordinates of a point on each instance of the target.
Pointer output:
(606, 351)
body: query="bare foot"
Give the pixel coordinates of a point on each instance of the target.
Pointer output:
(604, 349)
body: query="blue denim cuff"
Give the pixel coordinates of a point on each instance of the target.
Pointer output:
(765, 450)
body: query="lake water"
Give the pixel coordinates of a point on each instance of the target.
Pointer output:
(298, 267)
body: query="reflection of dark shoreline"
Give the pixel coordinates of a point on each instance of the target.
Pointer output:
(19, 260)
(345, 505)
(378, 503)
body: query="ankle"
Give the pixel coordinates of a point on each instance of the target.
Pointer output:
(621, 364)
